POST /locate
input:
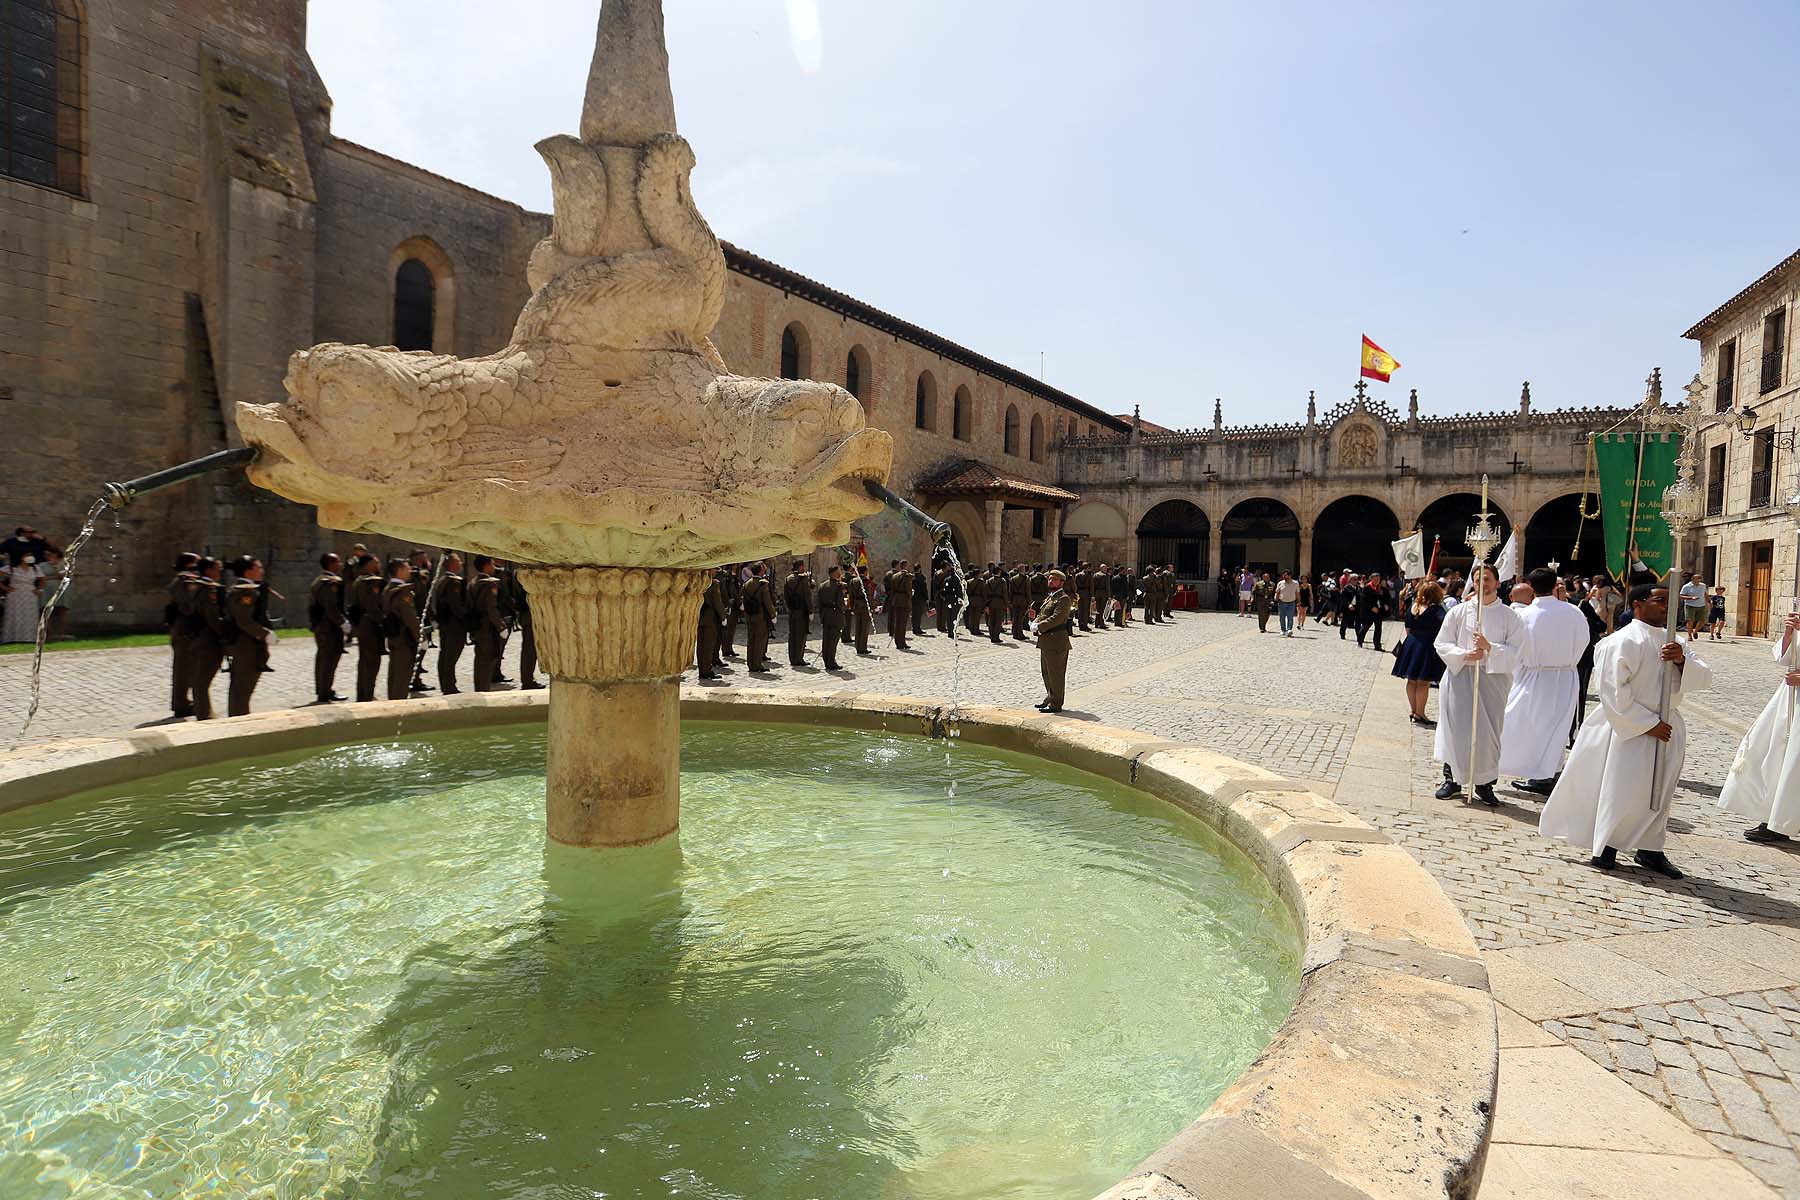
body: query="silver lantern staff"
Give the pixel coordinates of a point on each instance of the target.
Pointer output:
(1482, 538)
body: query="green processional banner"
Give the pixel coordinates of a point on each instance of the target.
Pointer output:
(1634, 468)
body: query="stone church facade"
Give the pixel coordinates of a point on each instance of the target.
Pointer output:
(176, 218)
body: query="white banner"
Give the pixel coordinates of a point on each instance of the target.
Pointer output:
(1409, 552)
(1508, 565)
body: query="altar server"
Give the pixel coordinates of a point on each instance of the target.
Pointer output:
(1764, 780)
(1545, 687)
(1604, 800)
(1491, 656)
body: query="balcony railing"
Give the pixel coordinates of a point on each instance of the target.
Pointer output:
(1762, 486)
(1722, 393)
(1715, 501)
(1771, 370)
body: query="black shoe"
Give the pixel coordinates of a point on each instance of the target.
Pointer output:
(1657, 861)
(1606, 860)
(1538, 787)
(502, 679)
(1762, 833)
(1416, 719)
(707, 675)
(1484, 792)
(1041, 705)
(1448, 790)
(729, 653)
(267, 670)
(533, 686)
(182, 712)
(1054, 708)
(334, 698)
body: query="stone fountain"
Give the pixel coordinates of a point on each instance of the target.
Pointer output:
(607, 449)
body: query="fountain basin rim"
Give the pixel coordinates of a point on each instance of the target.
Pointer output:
(1380, 1082)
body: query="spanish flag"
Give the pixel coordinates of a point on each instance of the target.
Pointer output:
(1377, 363)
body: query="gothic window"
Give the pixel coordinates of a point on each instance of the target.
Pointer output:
(1037, 439)
(415, 298)
(40, 92)
(1012, 430)
(925, 403)
(962, 421)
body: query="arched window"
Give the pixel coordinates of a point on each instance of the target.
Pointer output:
(962, 417)
(1037, 438)
(40, 93)
(925, 402)
(796, 352)
(856, 374)
(1012, 429)
(415, 303)
(424, 297)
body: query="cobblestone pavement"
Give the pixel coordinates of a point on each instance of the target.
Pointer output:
(1689, 991)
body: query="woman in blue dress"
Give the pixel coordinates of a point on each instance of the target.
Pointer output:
(1418, 662)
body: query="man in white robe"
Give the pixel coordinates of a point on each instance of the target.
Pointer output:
(1488, 656)
(1604, 800)
(1764, 780)
(1541, 709)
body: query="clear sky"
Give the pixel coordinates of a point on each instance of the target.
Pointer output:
(1177, 201)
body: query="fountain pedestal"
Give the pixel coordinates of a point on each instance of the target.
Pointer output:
(615, 641)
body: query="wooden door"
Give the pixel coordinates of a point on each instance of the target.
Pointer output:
(1759, 571)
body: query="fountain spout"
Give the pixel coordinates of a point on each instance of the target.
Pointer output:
(938, 531)
(118, 495)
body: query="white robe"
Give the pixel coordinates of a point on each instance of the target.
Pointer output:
(1764, 781)
(1603, 797)
(1541, 708)
(1505, 633)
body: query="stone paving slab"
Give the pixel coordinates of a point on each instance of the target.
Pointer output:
(1680, 993)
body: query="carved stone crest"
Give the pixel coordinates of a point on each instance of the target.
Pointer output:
(1356, 447)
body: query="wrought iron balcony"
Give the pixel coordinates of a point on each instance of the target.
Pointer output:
(1771, 370)
(1722, 393)
(1762, 487)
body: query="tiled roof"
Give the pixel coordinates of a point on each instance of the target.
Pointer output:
(746, 263)
(972, 477)
(1763, 280)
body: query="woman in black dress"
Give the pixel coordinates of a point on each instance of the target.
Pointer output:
(1418, 662)
(1306, 599)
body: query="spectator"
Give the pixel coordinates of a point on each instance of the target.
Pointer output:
(23, 582)
(1716, 617)
(56, 609)
(25, 542)
(1418, 661)
(1693, 605)
(1287, 601)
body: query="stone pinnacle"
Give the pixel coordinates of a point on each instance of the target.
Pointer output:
(628, 96)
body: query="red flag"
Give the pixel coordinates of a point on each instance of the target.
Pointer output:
(1431, 571)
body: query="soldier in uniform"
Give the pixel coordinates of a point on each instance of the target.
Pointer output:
(1018, 596)
(759, 614)
(400, 623)
(977, 600)
(921, 598)
(861, 620)
(422, 570)
(1151, 583)
(732, 584)
(900, 600)
(797, 594)
(325, 615)
(711, 621)
(1118, 588)
(181, 691)
(365, 623)
(1039, 585)
(1053, 622)
(203, 615)
(247, 636)
(994, 596)
(521, 605)
(831, 603)
(487, 621)
(887, 596)
(452, 620)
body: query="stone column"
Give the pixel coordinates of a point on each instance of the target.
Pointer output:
(995, 510)
(1215, 548)
(1306, 551)
(1053, 534)
(615, 641)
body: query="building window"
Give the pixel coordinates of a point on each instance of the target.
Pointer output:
(1762, 467)
(1773, 344)
(925, 403)
(796, 352)
(856, 373)
(1715, 482)
(1037, 438)
(1012, 429)
(962, 417)
(1727, 377)
(40, 93)
(1037, 523)
(1093, 430)
(415, 299)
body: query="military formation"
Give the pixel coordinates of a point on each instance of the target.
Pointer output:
(390, 611)
(1026, 602)
(389, 614)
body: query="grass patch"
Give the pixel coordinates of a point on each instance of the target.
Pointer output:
(118, 641)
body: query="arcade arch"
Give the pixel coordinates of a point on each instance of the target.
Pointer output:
(1357, 532)
(1176, 531)
(1449, 518)
(1261, 533)
(1556, 531)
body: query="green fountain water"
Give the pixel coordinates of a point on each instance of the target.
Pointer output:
(362, 973)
